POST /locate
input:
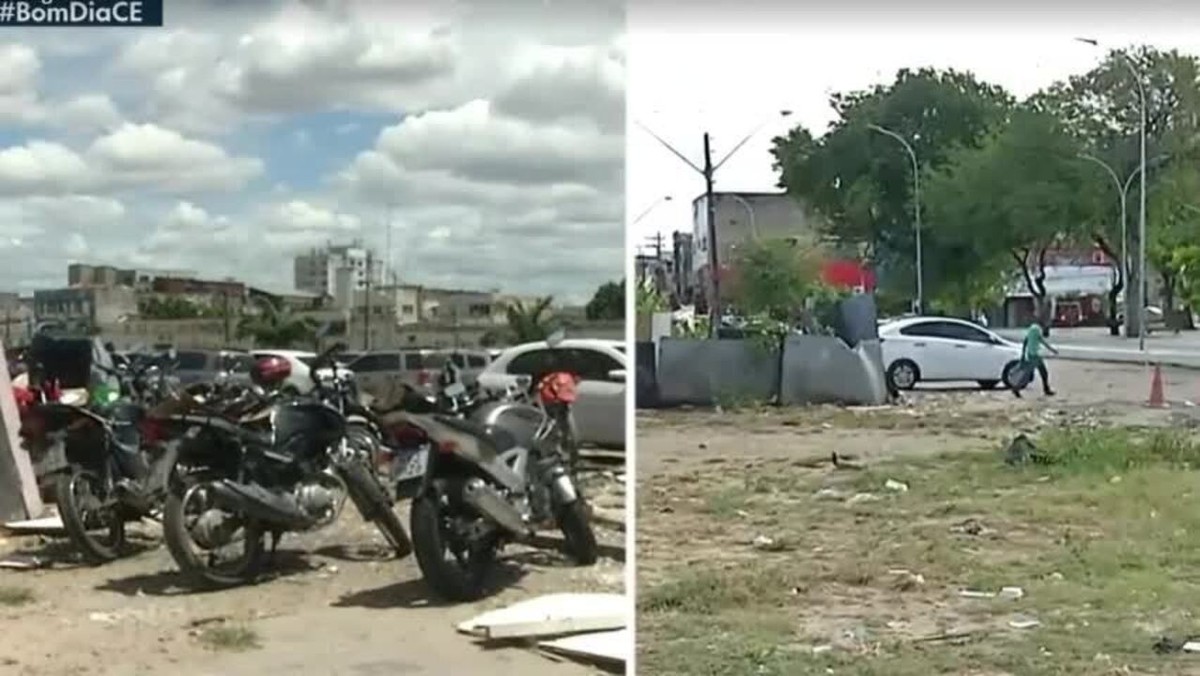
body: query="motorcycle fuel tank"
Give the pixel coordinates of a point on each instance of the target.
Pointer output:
(521, 421)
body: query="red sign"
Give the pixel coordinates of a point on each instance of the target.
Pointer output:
(848, 274)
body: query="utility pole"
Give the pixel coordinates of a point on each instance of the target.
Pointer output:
(714, 310)
(225, 314)
(367, 306)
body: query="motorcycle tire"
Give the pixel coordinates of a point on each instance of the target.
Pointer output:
(194, 568)
(580, 539)
(95, 551)
(447, 579)
(373, 503)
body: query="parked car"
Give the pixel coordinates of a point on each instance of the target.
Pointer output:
(470, 363)
(601, 366)
(944, 349)
(384, 374)
(204, 366)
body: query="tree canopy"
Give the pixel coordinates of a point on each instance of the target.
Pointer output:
(608, 302)
(1006, 182)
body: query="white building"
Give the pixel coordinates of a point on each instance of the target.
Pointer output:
(338, 271)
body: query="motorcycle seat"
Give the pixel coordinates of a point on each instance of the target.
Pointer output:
(499, 440)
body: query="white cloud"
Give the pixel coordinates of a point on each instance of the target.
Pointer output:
(145, 157)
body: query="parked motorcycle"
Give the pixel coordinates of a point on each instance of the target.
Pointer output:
(287, 466)
(494, 472)
(104, 453)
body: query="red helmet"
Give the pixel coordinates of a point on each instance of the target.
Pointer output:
(270, 370)
(558, 388)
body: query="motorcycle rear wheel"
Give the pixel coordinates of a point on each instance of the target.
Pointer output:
(72, 509)
(192, 563)
(453, 580)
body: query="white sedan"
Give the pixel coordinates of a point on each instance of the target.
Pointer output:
(943, 349)
(600, 365)
(301, 378)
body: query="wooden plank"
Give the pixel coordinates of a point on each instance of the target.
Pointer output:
(609, 647)
(551, 615)
(19, 495)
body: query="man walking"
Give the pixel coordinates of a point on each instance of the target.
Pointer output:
(1031, 358)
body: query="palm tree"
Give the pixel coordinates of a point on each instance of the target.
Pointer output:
(276, 326)
(529, 324)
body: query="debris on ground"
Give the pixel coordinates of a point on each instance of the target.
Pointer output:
(860, 498)
(906, 580)
(973, 527)
(831, 494)
(23, 562)
(1006, 593)
(1022, 451)
(769, 544)
(1023, 623)
(582, 626)
(896, 486)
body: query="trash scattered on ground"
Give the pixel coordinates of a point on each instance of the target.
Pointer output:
(822, 649)
(1006, 593)
(550, 615)
(973, 527)
(831, 494)
(896, 486)
(1022, 451)
(769, 544)
(906, 580)
(608, 647)
(23, 562)
(591, 627)
(859, 498)
(1023, 623)
(841, 461)
(49, 525)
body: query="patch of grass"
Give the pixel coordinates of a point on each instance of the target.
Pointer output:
(16, 596)
(1104, 537)
(230, 638)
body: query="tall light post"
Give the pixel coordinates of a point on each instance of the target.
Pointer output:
(650, 209)
(919, 305)
(1136, 289)
(749, 212)
(707, 172)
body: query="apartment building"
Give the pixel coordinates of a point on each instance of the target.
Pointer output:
(338, 271)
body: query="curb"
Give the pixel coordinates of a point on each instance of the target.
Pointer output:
(1150, 359)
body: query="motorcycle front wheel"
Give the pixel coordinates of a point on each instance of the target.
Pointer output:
(374, 505)
(576, 525)
(454, 569)
(185, 511)
(96, 528)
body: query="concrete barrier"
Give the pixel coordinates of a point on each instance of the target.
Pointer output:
(707, 372)
(823, 370)
(19, 497)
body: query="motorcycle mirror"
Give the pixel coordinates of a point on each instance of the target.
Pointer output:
(555, 338)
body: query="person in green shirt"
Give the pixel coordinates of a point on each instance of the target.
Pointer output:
(1031, 355)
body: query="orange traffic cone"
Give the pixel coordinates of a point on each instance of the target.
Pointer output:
(1157, 398)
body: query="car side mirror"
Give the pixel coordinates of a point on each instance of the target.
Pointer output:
(617, 375)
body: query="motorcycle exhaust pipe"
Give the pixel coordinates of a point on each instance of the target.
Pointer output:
(259, 503)
(488, 502)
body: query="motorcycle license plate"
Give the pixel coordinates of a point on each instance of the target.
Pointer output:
(411, 464)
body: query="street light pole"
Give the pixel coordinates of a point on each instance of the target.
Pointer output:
(750, 212)
(1138, 289)
(707, 172)
(919, 305)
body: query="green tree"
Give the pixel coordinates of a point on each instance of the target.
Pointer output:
(1174, 209)
(530, 323)
(861, 181)
(1102, 110)
(649, 299)
(1016, 196)
(274, 325)
(608, 302)
(169, 307)
(775, 279)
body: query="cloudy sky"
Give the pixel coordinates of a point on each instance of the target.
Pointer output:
(731, 73)
(243, 133)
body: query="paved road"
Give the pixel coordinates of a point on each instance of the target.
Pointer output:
(1094, 344)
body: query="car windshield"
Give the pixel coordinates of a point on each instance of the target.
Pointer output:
(191, 361)
(424, 362)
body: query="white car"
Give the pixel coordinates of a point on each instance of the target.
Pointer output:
(943, 349)
(600, 365)
(301, 378)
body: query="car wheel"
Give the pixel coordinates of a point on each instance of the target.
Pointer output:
(903, 374)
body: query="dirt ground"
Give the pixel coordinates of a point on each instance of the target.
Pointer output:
(738, 507)
(333, 605)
